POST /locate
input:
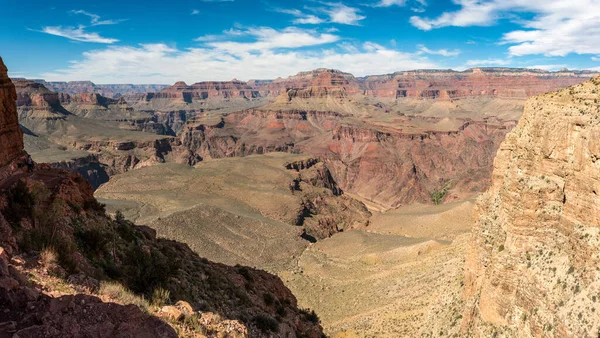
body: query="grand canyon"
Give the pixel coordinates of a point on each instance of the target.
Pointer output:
(330, 205)
(307, 169)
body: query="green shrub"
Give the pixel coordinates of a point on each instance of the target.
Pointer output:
(437, 196)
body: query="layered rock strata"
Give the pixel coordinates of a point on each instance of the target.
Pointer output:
(532, 270)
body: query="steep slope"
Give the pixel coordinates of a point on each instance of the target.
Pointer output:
(59, 253)
(532, 269)
(11, 136)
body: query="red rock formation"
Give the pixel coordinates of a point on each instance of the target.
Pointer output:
(204, 90)
(496, 82)
(11, 136)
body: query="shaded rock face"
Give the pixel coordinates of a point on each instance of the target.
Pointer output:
(532, 266)
(393, 168)
(11, 136)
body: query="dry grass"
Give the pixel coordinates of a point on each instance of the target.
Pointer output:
(48, 258)
(121, 295)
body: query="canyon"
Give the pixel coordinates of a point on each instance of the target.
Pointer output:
(423, 130)
(69, 270)
(356, 192)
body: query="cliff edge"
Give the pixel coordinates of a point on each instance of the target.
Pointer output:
(532, 268)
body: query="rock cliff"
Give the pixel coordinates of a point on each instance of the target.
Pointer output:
(11, 136)
(532, 269)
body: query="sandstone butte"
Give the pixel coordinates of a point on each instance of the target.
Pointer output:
(532, 269)
(68, 270)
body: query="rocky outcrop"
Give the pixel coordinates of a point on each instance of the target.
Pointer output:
(325, 209)
(532, 267)
(11, 136)
(36, 102)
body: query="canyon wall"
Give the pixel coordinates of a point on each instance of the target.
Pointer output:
(11, 136)
(532, 269)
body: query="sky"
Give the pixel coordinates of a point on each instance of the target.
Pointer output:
(155, 41)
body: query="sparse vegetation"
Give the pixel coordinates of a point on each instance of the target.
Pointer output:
(437, 196)
(122, 295)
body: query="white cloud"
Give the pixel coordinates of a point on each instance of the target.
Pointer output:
(442, 52)
(77, 34)
(336, 13)
(388, 3)
(342, 14)
(301, 17)
(556, 27)
(195, 12)
(95, 19)
(266, 38)
(488, 62)
(595, 58)
(272, 54)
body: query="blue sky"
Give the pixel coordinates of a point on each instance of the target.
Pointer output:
(156, 42)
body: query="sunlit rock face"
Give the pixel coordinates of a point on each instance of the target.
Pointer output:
(532, 269)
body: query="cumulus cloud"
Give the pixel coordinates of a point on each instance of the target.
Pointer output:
(442, 52)
(342, 14)
(195, 12)
(266, 38)
(555, 27)
(271, 54)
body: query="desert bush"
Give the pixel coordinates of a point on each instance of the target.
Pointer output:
(20, 204)
(437, 196)
(93, 204)
(48, 258)
(93, 240)
(266, 323)
(310, 315)
(147, 269)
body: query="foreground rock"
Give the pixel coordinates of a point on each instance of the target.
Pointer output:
(532, 267)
